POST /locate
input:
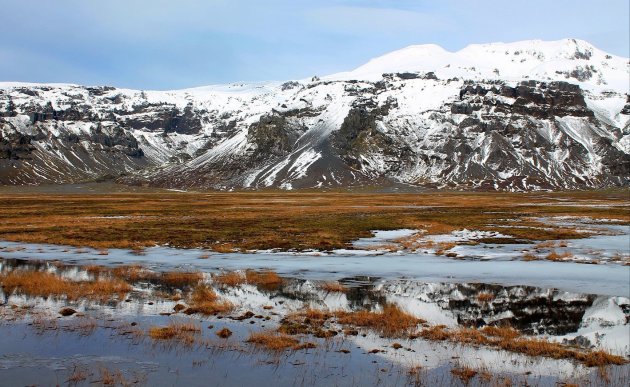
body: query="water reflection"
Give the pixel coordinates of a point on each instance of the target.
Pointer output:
(529, 309)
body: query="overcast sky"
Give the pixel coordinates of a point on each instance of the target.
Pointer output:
(167, 44)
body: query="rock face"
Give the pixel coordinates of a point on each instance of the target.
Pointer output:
(519, 116)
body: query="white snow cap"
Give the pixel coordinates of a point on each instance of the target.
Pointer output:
(571, 60)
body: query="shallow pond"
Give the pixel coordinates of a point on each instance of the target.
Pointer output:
(586, 306)
(104, 337)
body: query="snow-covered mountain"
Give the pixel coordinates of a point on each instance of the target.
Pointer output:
(522, 115)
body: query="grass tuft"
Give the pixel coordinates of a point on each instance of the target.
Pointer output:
(390, 322)
(44, 284)
(184, 333)
(511, 340)
(229, 279)
(464, 373)
(203, 300)
(273, 341)
(555, 256)
(267, 279)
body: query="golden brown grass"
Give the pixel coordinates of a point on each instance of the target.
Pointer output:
(173, 330)
(418, 241)
(501, 332)
(308, 321)
(183, 333)
(78, 375)
(435, 333)
(112, 378)
(545, 245)
(203, 300)
(131, 273)
(555, 256)
(230, 279)
(44, 284)
(273, 341)
(537, 347)
(464, 373)
(530, 257)
(180, 280)
(508, 339)
(443, 247)
(138, 273)
(300, 220)
(415, 242)
(316, 316)
(391, 247)
(390, 322)
(265, 279)
(333, 287)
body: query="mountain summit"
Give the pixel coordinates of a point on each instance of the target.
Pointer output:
(515, 116)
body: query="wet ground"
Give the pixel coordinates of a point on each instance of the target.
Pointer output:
(586, 306)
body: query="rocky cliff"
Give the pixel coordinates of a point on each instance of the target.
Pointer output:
(518, 116)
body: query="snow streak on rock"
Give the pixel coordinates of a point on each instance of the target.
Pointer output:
(516, 116)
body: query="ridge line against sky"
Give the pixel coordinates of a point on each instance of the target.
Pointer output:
(160, 44)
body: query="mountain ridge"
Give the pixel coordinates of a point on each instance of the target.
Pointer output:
(553, 115)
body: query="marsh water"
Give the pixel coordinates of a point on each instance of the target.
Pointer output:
(569, 302)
